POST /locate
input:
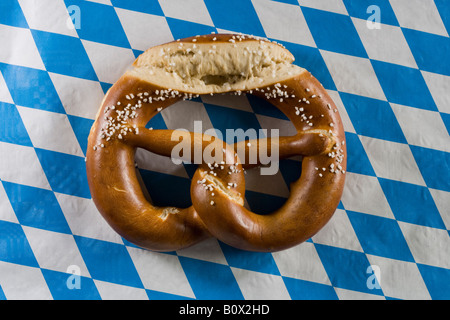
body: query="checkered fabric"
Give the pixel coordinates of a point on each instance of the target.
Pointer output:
(389, 237)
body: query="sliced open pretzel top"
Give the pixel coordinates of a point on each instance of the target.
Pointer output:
(205, 65)
(215, 64)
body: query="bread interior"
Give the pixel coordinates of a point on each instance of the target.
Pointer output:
(215, 67)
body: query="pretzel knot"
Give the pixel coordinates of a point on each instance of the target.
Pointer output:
(211, 64)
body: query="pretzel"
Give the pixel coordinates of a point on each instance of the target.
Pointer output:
(211, 64)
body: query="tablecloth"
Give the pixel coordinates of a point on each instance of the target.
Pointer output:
(385, 63)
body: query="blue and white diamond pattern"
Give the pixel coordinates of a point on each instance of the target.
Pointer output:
(391, 85)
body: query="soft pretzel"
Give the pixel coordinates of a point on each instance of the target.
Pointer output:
(209, 64)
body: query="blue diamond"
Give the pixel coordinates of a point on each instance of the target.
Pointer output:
(14, 245)
(64, 55)
(225, 16)
(12, 129)
(36, 207)
(403, 85)
(369, 115)
(210, 281)
(99, 23)
(31, 88)
(378, 234)
(412, 203)
(65, 173)
(334, 32)
(108, 261)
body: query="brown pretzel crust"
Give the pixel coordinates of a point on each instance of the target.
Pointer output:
(314, 197)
